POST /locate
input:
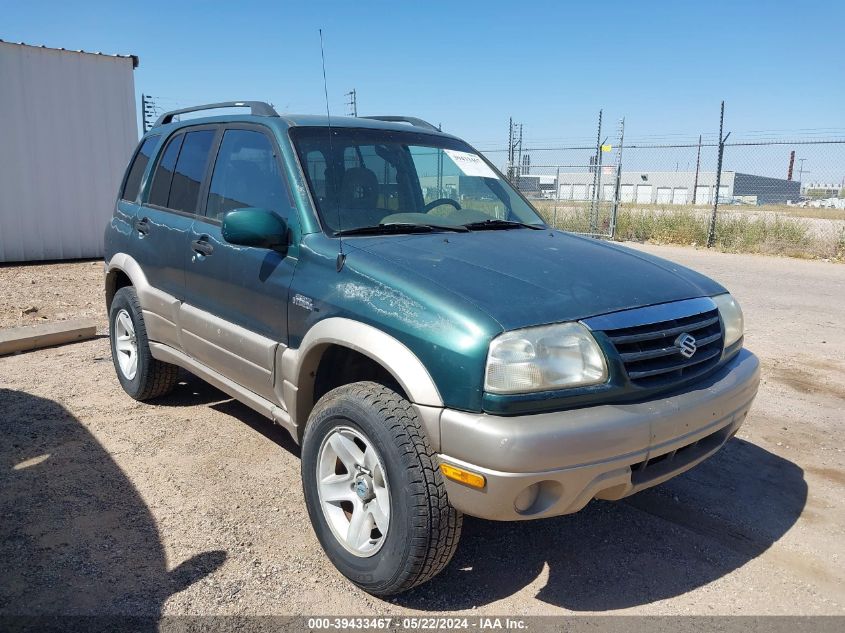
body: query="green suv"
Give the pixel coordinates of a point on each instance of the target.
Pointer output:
(381, 291)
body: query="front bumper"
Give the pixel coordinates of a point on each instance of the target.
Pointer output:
(554, 463)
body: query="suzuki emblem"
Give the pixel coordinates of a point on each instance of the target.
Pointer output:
(686, 345)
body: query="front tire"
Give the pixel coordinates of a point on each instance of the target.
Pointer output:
(141, 376)
(374, 492)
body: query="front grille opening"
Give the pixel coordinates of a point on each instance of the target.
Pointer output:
(651, 357)
(654, 467)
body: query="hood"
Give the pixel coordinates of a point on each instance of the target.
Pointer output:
(524, 277)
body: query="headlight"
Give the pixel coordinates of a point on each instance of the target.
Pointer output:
(732, 320)
(544, 358)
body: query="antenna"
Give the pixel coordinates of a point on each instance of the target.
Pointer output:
(341, 256)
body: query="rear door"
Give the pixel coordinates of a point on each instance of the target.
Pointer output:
(161, 227)
(235, 312)
(123, 232)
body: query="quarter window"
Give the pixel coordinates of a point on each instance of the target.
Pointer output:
(136, 171)
(190, 169)
(246, 175)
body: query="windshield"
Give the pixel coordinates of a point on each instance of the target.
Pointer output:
(367, 178)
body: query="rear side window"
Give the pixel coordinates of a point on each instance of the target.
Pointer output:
(164, 172)
(246, 174)
(136, 171)
(190, 169)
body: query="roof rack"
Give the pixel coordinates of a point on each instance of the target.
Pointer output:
(405, 119)
(259, 108)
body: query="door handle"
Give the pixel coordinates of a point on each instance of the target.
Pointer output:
(202, 246)
(142, 226)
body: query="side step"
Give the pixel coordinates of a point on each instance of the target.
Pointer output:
(264, 406)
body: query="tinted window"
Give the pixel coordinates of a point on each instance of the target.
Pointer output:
(190, 168)
(137, 169)
(246, 174)
(164, 172)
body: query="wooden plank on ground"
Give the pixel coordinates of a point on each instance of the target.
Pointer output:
(30, 337)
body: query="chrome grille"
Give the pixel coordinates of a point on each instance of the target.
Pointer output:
(653, 359)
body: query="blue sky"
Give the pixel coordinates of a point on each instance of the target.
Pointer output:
(470, 65)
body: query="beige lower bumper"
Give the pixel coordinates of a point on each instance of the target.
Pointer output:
(550, 464)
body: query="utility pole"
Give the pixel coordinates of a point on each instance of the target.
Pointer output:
(614, 211)
(148, 112)
(514, 150)
(144, 112)
(440, 153)
(596, 169)
(510, 148)
(353, 102)
(801, 171)
(697, 167)
(711, 233)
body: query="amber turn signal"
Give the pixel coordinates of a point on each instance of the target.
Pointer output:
(471, 479)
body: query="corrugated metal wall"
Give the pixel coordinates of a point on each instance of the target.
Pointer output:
(67, 130)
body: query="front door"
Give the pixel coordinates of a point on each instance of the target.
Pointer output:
(161, 226)
(234, 316)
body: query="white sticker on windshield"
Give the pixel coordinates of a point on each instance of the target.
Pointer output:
(470, 164)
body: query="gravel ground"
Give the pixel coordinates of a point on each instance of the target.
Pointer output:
(193, 505)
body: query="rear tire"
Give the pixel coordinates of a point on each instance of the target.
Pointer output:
(141, 376)
(394, 468)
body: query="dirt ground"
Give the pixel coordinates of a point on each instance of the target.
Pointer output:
(193, 505)
(43, 293)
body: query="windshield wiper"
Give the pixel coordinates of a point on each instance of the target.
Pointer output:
(400, 227)
(494, 224)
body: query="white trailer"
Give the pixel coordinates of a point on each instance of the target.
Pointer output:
(67, 129)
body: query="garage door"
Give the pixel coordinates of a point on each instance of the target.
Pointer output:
(679, 195)
(702, 195)
(579, 192)
(627, 193)
(664, 195)
(607, 193)
(566, 192)
(643, 194)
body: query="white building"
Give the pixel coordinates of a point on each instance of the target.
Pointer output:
(822, 189)
(678, 187)
(68, 127)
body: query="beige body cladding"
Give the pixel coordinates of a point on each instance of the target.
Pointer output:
(264, 374)
(534, 466)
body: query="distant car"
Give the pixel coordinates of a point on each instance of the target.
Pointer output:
(434, 355)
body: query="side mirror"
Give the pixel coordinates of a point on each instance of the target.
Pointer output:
(255, 227)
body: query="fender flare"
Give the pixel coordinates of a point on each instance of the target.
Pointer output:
(299, 366)
(151, 299)
(128, 266)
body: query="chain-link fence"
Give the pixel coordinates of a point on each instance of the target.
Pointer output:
(582, 198)
(782, 196)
